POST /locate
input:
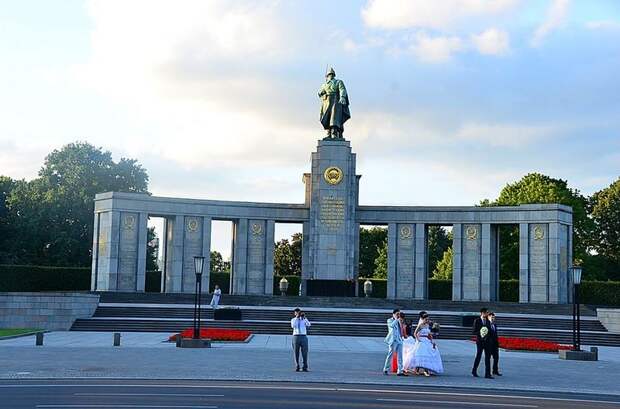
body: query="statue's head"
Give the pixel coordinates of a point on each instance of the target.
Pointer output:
(330, 74)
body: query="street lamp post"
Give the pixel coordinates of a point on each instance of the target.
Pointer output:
(198, 265)
(576, 310)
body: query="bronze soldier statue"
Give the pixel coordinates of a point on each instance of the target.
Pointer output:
(335, 106)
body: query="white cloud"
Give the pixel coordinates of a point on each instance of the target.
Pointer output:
(492, 42)
(556, 16)
(400, 14)
(436, 49)
(611, 25)
(504, 135)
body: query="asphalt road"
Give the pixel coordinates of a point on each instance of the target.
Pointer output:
(69, 394)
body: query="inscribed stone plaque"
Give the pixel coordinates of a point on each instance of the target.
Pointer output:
(471, 258)
(539, 262)
(405, 255)
(256, 257)
(128, 251)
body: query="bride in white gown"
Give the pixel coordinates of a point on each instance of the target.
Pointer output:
(422, 353)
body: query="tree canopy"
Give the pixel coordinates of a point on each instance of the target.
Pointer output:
(51, 217)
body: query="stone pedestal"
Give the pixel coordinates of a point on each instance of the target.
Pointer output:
(591, 355)
(193, 343)
(331, 234)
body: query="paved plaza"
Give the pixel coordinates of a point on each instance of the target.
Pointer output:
(268, 358)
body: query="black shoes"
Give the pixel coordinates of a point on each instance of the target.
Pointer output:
(488, 377)
(474, 374)
(305, 369)
(297, 369)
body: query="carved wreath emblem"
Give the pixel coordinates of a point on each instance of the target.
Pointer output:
(332, 175)
(539, 233)
(406, 232)
(129, 222)
(192, 225)
(257, 229)
(471, 232)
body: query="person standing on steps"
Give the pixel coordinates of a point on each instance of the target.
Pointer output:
(215, 300)
(481, 330)
(300, 325)
(494, 341)
(394, 340)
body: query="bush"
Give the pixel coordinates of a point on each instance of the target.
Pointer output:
(293, 285)
(600, 293)
(440, 289)
(509, 290)
(43, 278)
(153, 282)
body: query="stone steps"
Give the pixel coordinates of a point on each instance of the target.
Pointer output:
(353, 321)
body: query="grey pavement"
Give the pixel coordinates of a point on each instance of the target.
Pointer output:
(268, 358)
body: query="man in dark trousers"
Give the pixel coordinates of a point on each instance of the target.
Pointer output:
(494, 341)
(481, 331)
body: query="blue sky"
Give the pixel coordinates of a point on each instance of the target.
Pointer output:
(450, 99)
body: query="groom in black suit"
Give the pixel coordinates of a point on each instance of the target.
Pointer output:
(483, 343)
(494, 341)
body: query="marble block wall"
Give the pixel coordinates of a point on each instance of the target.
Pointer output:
(253, 245)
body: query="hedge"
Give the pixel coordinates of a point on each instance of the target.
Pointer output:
(43, 278)
(46, 278)
(600, 293)
(153, 282)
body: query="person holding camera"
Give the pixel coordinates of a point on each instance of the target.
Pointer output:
(300, 325)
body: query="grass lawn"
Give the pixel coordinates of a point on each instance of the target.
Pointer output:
(4, 332)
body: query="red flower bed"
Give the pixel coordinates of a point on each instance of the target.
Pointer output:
(215, 334)
(529, 344)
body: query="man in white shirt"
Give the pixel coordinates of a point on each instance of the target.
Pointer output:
(300, 325)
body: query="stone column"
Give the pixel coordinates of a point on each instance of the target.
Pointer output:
(95, 254)
(269, 250)
(457, 272)
(489, 270)
(193, 236)
(174, 254)
(240, 256)
(392, 280)
(256, 261)
(558, 263)
(534, 271)
(206, 253)
(467, 277)
(332, 200)
(421, 262)
(253, 257)
(128, 252)
(142, 238)
(401, 260)
(524, 262)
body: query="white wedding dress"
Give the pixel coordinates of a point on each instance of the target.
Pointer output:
(421, 354)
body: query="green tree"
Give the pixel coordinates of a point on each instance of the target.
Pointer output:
(287, 256)
(605, 206)
(439, 240)
(53, 214)
(7, 185)
(604, 263)
(381, 262)
(152, 246)
(371, 240)
(538, 188)
(217, 263)
(443, 271)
